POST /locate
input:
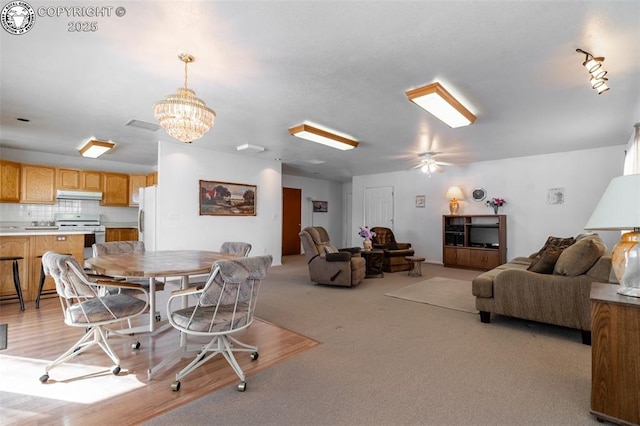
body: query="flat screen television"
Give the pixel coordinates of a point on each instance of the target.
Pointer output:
(486, 237)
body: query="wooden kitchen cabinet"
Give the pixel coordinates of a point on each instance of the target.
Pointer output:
(76, 179)
(14, 246)
(38, 184)
(9, 181)
(135, 183)
(121, 234)
(115, 189)
(615, 345)
(152, 179)
(40, 244)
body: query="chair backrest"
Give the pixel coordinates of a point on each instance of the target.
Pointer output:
(117, 247)
(230, 294)
(236, 247)
(71, 281)
(315, 241)
(384, 236)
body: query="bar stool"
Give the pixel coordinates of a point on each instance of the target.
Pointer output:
(16, 276)
(42, 277)
(416, 269)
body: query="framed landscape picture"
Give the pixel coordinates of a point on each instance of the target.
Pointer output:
(227, 199)
(320, 206)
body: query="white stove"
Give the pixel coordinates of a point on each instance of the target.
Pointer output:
(78, 222)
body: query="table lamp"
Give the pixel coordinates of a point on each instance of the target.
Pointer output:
(618, 210)
(454, 193)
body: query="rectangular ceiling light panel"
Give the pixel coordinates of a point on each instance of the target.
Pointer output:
(324, 137)
(94, 149)
(250, 148)
(440, 103)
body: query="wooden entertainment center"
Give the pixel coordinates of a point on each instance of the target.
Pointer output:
(475, 242)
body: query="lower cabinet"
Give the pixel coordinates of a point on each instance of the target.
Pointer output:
(14, 246)
(121, 234)
(29, 247)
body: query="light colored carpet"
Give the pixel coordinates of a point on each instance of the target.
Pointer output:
(438, 291)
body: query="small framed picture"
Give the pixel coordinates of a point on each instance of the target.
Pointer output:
(320, 207)
(555, 196)
(420, 201)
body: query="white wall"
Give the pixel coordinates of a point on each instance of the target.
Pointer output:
(322, 190)
(182, 166)
(523, 182)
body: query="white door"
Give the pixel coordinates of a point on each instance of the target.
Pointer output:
(378, 207)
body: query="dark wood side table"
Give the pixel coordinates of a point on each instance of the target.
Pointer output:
(615, 355)
(374, 259)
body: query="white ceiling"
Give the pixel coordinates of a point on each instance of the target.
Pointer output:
(265, 66)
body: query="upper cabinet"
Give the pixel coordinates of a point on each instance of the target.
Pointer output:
(115, 189)
(135, 183)
(38, 184)
(9, 182)
(152, 179)
(86, 180)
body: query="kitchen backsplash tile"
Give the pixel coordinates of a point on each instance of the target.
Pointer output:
(10, 212)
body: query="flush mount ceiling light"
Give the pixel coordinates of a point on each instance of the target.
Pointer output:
(596, 72)
(183, 115)
(94, 149)
(250, 148)
(324, 137)
(440, 103)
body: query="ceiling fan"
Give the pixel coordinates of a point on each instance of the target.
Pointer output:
(428, 163)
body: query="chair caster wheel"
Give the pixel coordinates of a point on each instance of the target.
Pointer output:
(175, 386)
(135, 346)
(242, 386)
(44, 378)
(255, 356)
(115, 370)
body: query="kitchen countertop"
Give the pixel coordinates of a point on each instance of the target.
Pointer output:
(18, 231)
(120, 225)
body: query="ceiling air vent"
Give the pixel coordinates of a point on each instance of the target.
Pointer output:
(151, 127)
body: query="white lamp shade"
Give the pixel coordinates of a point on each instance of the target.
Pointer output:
(454, 192)
(619, 207)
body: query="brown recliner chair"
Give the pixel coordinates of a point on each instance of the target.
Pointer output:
(327, 264)
(394, 252)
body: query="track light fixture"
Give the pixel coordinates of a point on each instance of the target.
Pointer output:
(594, 67)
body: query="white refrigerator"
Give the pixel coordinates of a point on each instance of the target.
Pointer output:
(147, 217)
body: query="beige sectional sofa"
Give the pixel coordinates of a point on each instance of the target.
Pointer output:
(559, 295)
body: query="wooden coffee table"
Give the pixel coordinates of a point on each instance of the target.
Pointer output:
(374, 259)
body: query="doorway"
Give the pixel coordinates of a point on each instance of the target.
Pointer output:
(291, 220)
(378, 207)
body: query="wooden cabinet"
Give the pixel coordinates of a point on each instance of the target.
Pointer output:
(38, 184)
(152, 179)
(9, 181)
(615, 345)
(86, 180)
(135, 183)
(14, 246)
(115, 189)
(476, 242)
(40, 244)
(121, 234)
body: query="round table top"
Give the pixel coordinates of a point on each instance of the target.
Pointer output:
(415, 258)
(162, 263)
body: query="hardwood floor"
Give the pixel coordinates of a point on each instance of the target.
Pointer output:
(83, 391)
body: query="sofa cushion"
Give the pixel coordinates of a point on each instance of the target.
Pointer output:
(556, 243)
(545, 263)
(579, 257)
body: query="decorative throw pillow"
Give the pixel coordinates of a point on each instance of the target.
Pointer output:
(556, 243)
(391, 245)
(545, 263)
(579, 258)
(330, 248)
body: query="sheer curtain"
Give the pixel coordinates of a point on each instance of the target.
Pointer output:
(632, 153)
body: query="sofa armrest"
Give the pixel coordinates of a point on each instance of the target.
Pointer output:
(403, 246)
(601, 270)
(355, 251)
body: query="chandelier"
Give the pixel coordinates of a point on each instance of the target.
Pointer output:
(182, 114)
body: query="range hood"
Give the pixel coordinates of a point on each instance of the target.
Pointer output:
(78, 195)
